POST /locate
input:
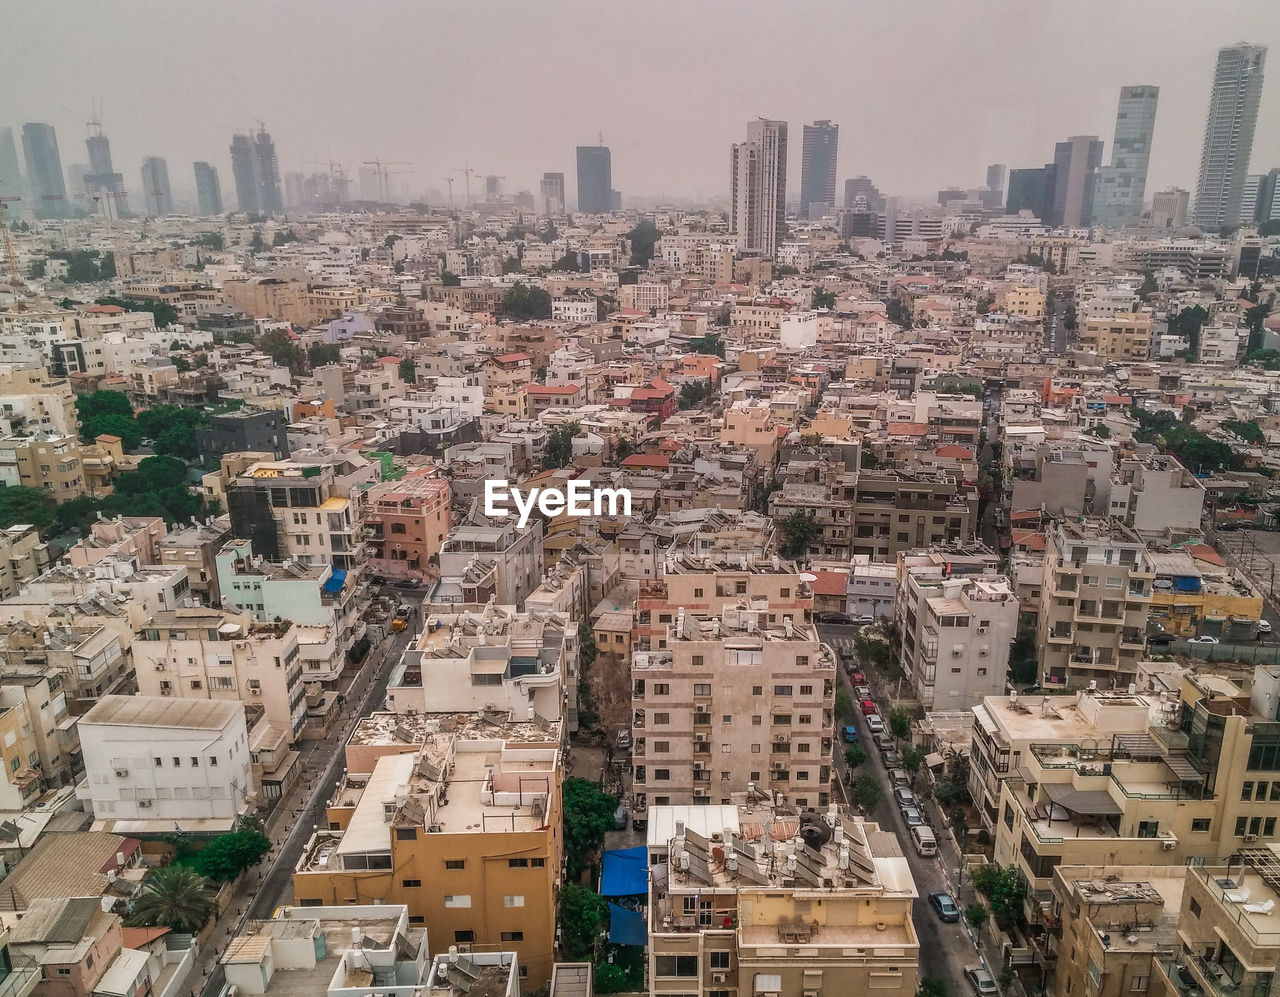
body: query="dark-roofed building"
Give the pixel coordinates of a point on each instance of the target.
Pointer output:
(85, 864)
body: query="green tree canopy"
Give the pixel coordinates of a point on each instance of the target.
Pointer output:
(162, 312)
(643, 238)
(583, 914)
(559, 449)
(855, 755)
(568, 263)
(694, 393)
(866, 792)
(710, 344)
(1247, 429)
(124, 426)
(175, 897)
(448, 279)
(824, 299)
(281, 347)
(20, 504)
(524, 301)
(211, 240)
(588, 814)
(408, 371)
(1005, 890)
(799, 530)
(900, 723)
(104, 403)
(319, 354)
(230, 854)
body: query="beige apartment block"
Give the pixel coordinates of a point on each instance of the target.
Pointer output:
(32, 400)
(761, 898)
(732, 700)
(22, 558)
(1122, 336)
(1094, 604)
(50, 463)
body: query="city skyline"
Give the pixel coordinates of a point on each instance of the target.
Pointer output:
(1020, 103)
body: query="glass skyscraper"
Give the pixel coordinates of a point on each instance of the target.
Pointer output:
(1120, 189)
(1228, 135)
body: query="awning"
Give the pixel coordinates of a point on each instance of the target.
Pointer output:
(626, 927)
(1091, 802)
(337, 578)
(626, 872)
(1026, 775)
(933, 759)
(768, 983)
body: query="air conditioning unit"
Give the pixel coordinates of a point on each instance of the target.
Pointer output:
(255, 691)
(982, 630)
(719, 977)
(144, 803)
(1169, 844)
(1250, 837)
(160, 666)
(122, 773)
(700, 738)
(957, 652)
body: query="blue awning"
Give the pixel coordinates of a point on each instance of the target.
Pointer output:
(626, 872)
(337, 578)
(626, 927)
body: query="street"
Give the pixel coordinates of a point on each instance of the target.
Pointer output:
(323, 767)
(945, 949)
(1057, 338)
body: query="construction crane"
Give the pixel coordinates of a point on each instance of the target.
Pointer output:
(467, 172)
(337, 178)
(381, 171)
(449, 180)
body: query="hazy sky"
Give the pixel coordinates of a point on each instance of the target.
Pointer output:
(925, 93)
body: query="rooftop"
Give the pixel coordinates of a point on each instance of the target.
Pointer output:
(159, 711)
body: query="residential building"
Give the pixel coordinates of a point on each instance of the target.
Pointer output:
(460, 822)
(50, 463)
(483, 560)
(818, 166)
(37, 755)
(244, 429)
(344, 951)
(595, 180)
(132, 537)
(156, 192)
(1195, 592)
(408, 521)
(208, 190)
(212, 654)
(1155, 494)
(161, 761)
(1122, 336)
(1094, 603)
(78, 946)
(89, 657)
(872, 587)
(195, 548)
(31, 400)
(551, 191)
(956, 630)
(1075, 164)
(44, 171)
(1228, 135)
(1121, 187)
(802, 903)
(22, 557)
(758, 182)
(1169, 208)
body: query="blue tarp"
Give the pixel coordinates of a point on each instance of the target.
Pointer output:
(626, 927)
(626, 872)
(337, 578)
(1187, 583)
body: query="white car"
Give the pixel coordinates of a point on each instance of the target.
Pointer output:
(875, 724)
(1264, 626)
(1204, 639)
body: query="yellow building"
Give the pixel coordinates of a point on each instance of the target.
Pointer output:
(459, 819)
(51, 463)
(751, 424)
(1124, 335)
(1199, 594)
(799, 904)
(1024, 302)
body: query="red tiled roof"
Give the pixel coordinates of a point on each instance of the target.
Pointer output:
(136, 938)
(908, 428)
(1031, 540)
(1203, 552)
(107, 437)
(954, 450)
(830, 583)
(105, 310)
(512, 357)
(394, 360)
(647, 460)
(1024, 514)
(1118, 400)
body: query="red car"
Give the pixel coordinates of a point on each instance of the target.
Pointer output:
(857, 678)
(868, 708)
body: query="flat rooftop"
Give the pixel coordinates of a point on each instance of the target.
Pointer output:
(160, 711)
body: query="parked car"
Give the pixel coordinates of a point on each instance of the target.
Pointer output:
(862, 691)
(899, 777)
(620, 818)
(857, 678)
(623, 741)
(1160, 640)
(983, 983)
(875, 724)
(911, 816)
(1264, 626)
(850, 734)
(835, 619)
(882, 741)
(891, 760)
(945, 906)
(1204, 639)
(904, 796)
(863, 621)
(868, 707)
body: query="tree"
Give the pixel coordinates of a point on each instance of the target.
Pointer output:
(524, 301)
(824, 299)
(959, 827)
(20, 504)
(583, 913)
(1148, 286)
(950, 792)
(912, 759)
(281, 347)
(549, 234)
(448, 279)
(1254, 319)
(588, 814)
(1023, 664)
(900, 314)
(174, 897)
(843, 704)
(694, 393)
(855, 755)
(868, 460)
(609, 683)
(281, 238)
(37, 268)
(211, 240)
(976, 915)
(799, 530)
(157, 488)
(177, 441)
(1248, 430)
(568, 263)
(230, 854)
(162, 312)
(866, 792)
(319, 354)
(710, 344)
(559, 449)
(123, 426)
(1006, 976)
(900, 723)
(1069, 318)
(77, 514)
(1005, 890)
(1187, 324)
(512, 265)
(587, 650)
(256, 244)
(931, 986)
(390, 241)
(643, 238)
(623, 450)
(408, 371)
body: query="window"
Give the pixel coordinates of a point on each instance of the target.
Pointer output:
(513, 900)
(1269, 827)
(661, 719)
(805, 718)
(1201, 824)
(806, 690)
(177, 762)
(661, 747)
(406, 834)
(195, 762)
(702, 688)
(661, 689)
(662, 775)
(782, 690)
(517, 863)
(697, 593)
(398, 528)
(538, 863)
(513, 936)
(1246, 790)
(457, 900)
(158, 762)
(675, 965)
(757, 720)
(455, 863)
(720, 960)
(740, 588)
(1241, 826)
(1194, 907)
(64, 971)
(464, 936)
(410, 884)
(1139, 983)
(802, 661)
(726, 718)
(757, 690)
(755, 749)
(782, 719)
(803, 748)
(696, 660)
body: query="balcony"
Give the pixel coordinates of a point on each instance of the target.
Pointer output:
(1132, 637)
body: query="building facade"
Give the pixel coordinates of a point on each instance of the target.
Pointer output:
(818, 165)
(1228, 135)
(1121, 187)
(758, 180)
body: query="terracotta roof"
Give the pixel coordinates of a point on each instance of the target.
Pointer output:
(647, 460)
(105, 310)
(136, 938)
(1024, 514)
(1203, 552)
(394, 360)
(830, 583)
(1031, 540)
(552, 389)
(908, 428)
(511, 357)
(954, 450)
(1118, 400)
(106, 437)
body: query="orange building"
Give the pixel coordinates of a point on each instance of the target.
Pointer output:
(409, 520)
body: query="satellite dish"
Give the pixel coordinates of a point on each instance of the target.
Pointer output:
(808, 577)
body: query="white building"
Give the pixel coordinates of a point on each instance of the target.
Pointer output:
(645, 296)
(152, 759)
(1222, 344)
(798, 331)
(580, 311)
(872, 585)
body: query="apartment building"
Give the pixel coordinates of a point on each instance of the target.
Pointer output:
(195, 548)
(90, 657)
(1196, 592)
(31, 401)
(51, 463)
(897, 510)
(407, 523)
(1155, 494)
(730, 699)
(801, 903)
(211, 654)
(22, 557)
(495, 659)
(1094, 604)
(956, 630)
(1195, 784)
(122, 538)
(1061, 480)
(37, 751)
(159, 760)
(244, 429)
(483, 560)
(1120, 336)
(455, 816)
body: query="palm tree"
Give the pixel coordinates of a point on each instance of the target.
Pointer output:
(174, 897)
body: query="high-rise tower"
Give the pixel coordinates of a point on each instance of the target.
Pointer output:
(818, 165)
(1228, 135)
(758, 175)
(102, 183)
(1120, 189)
(157, 194)
(257, 173)
(208, 190)
(552, 195)
(44, 170)
(1076, 160)
(595, 179)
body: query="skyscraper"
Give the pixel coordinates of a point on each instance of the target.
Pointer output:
(1267, 203)
(551, 192)
(1228, 135)
(861, 186)
(44, 170)
(595, 179)
(758, 177)
(156, 192)
(257, 174)
(208, 190)
(102, 183)
(1032, 190)
(818, 165)
(10, 173)
(294, 198)
(1120, 189)
(995, 177)
(1169, 208)
(1076, 160)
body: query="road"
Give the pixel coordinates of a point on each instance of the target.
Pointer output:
(324, 762)
(1057, 338)
(945, 949)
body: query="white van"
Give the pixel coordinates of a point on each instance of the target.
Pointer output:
(926, 844)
